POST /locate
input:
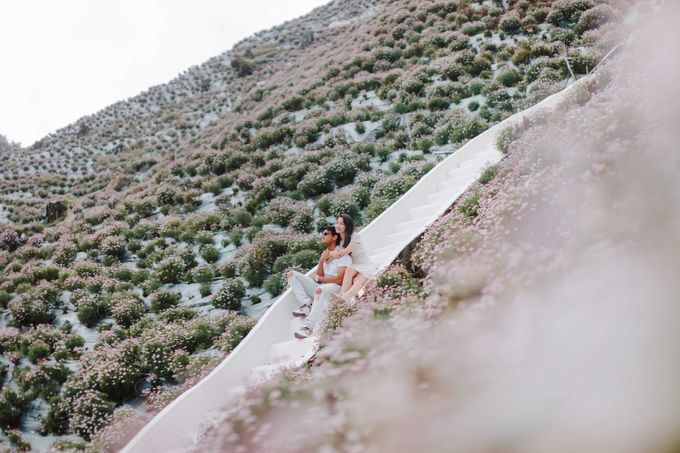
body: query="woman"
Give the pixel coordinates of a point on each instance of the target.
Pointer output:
(361, 269)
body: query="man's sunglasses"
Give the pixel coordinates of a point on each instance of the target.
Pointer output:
(325, 233)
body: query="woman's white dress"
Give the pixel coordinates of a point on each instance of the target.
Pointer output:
(360, 259)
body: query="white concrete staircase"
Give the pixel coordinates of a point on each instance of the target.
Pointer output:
(270, 346)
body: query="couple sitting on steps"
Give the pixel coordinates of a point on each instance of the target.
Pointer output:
(343, 269)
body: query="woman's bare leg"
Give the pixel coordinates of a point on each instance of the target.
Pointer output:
(359, 282)
(347, 279)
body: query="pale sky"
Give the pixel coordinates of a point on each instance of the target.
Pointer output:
(62, 59)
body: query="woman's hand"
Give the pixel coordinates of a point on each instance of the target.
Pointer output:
(334, 255)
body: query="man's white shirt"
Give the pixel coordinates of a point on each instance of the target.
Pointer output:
(330, 268)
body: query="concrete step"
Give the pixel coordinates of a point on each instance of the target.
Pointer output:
(292, 351)
(423, 211)
(263, 373)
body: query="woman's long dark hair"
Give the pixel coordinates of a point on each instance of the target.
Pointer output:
(349, 228)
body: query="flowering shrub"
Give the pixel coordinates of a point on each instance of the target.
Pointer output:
(64, 253)
(229, 295)
(203, 274)
(263, 190)
(29, 311)
(282, 209)
(12, 406)
(112, 370)
(315, 183)
(236, 329)
(398, 281)
(91, 307)
(458, 126)
(511, 23)
(162, 300)
(126, 308)
(288, 177)
(594, 18)
(113, 247)
(91, 411)
(345, 203)
(158, 358)
(210, 253)
(171, 269)
(344, 168)
(565, 12)
(9, 239)
(302, 222)
(388, 190)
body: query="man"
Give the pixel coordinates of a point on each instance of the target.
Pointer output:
(318, 288)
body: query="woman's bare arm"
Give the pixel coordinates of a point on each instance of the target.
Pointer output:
(343, 252)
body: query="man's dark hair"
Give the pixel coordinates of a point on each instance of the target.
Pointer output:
(331, 230)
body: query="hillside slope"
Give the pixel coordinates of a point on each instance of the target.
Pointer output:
(538, 315)
(174, 214)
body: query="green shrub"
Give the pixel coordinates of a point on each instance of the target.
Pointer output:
(203, 274)
(228, 270)
(506, 136)
(594, 18)
(508, 77)
(57, 419)
(470, 206)
(204, 238)
(12, 406)
(205, 290)
(241, 217)
(274, 285)
(399, 281)
(39, 350)
(201, 334)
(236, 236)
(210, 253)
(568, 12)
(257, 263)
(229, 295)
(91, 308)
(162, 299)
(178, 314)
(458, 126)
(488, 174)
